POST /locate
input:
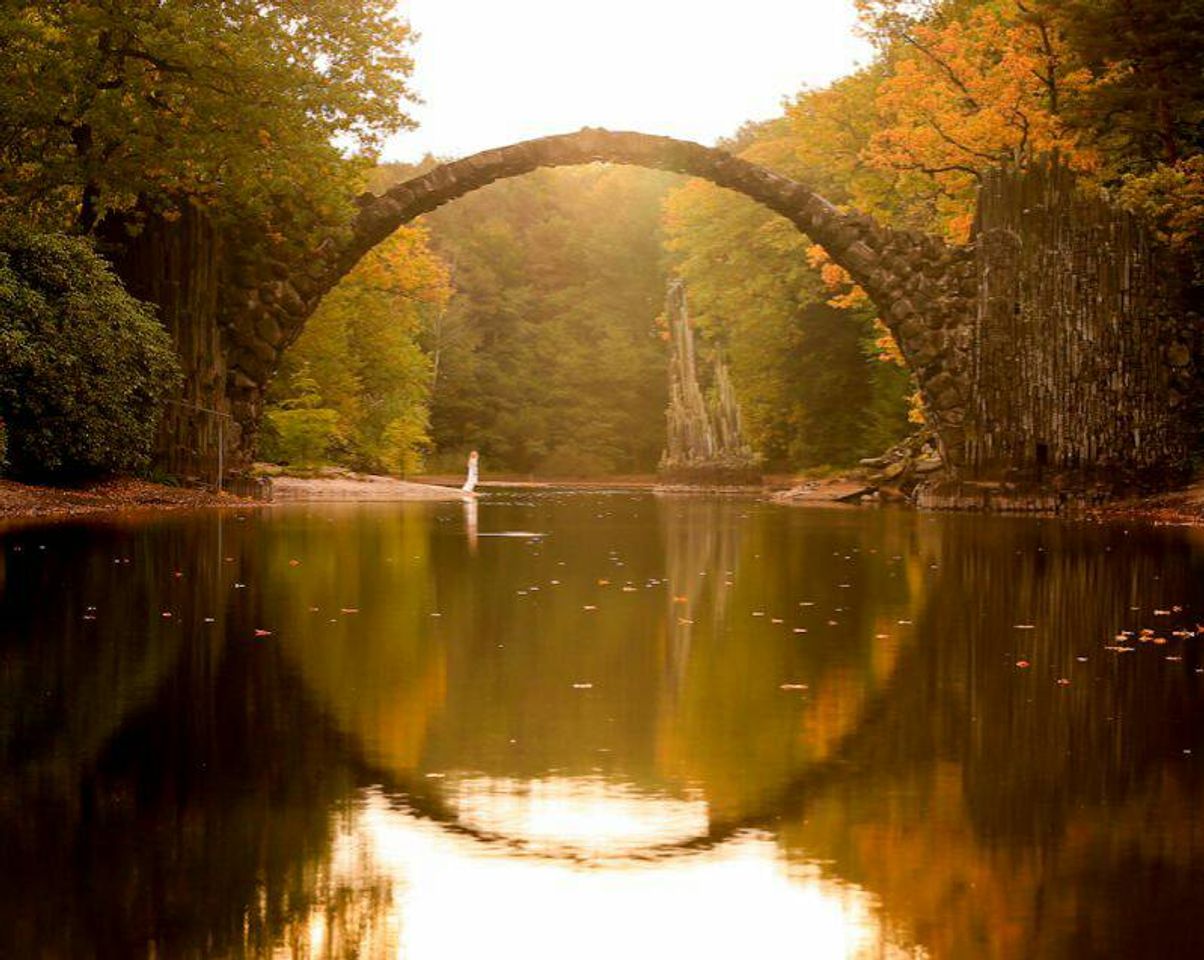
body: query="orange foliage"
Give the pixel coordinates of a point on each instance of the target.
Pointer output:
(969, 93)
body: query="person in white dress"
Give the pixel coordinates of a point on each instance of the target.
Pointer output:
(470, 484)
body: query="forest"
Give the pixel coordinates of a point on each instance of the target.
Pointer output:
(526, 320)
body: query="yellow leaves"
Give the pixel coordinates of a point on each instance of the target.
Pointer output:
(846, 294)
(888, 349)
(405, 268)
(966, 94)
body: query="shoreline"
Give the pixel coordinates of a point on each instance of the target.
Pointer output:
(21, 502)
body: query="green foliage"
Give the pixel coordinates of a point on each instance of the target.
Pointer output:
(303, 436)
(548, 360)
(84, 368)
(242, 107)
(355, 387)
(804, 371)
(1145, 105)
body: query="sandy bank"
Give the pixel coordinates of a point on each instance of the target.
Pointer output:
(357, 487)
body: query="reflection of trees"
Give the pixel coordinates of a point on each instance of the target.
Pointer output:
(378, 672)
(726, 725)
(993, 812)
(999, 814)
(67, 682)
(177, 794)
(203, 827)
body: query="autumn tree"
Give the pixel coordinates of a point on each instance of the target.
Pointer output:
(968, 87)
(355, 388)
(244, 108)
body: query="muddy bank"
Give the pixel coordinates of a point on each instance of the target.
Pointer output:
(20, 501)
(1183, 507)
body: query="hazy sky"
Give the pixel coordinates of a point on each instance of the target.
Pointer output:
(496, 71)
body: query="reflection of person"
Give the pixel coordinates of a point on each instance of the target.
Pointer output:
(470, 523)
(470, 483)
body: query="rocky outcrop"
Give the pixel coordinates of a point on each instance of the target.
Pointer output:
(705, 437)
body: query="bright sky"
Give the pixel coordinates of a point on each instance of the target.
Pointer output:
(492, 72)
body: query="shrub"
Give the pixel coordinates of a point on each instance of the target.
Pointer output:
(302, 436)
(84, 367)
(301, 432)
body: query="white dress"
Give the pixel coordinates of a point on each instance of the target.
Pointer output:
(470, 484)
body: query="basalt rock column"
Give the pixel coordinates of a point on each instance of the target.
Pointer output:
(705, 442)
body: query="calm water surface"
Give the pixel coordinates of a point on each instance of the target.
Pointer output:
(600, 725)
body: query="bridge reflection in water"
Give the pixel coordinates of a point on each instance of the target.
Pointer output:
(601, 740)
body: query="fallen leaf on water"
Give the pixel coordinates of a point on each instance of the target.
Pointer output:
(1024, 626)
(681, 599)
(589, 606)
(294, 563)
(1162, 613)
(776, 620)
(262, 633)
(349, 610)
(603, 583)
(792, 686)
(583, 686)
(800, 629)
(1023, 664)
(1063, 682)
(684, 622)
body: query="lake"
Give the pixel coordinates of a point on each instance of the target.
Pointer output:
(559, 724)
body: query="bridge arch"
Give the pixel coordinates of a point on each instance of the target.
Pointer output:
(917, 282)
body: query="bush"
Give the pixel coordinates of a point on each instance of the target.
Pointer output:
(302, 436)
(85, 369)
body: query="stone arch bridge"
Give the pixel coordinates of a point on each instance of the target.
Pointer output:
(1056, 340)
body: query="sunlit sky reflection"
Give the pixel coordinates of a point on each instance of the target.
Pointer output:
(453, 897)
(493, 73)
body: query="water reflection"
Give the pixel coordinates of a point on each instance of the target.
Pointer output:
(667, 726)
